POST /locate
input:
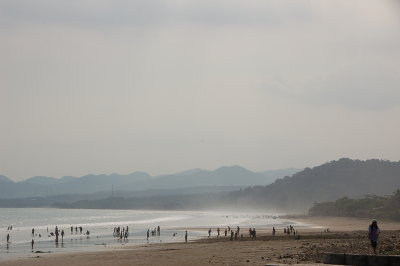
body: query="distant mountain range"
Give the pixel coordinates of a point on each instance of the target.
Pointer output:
(295, 194)
(228, 178)
(231, 187)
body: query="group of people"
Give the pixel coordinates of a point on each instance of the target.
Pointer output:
(155, 232)
(121, 233)
(57, 233)
(289, 230)
(252, 233)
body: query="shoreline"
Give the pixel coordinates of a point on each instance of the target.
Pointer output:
(222, 251)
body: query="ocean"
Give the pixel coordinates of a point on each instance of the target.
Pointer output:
(101, 224)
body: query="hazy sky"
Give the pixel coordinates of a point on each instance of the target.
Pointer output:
(120, 86)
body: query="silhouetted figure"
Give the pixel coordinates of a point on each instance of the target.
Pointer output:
(373, 234)
(32, 243)
(33, 231)
(62, 234)
(273, 231)
(186, 236)
(56, 233)
(72, 229)
(231, 235)
(225, 232)
(209, 232)
(218, 232)
(148, 234)
(8, 238)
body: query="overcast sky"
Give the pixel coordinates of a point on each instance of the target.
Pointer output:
(120, 86)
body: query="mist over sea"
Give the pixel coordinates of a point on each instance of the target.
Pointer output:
(101, 223)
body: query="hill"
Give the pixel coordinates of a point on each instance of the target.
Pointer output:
(327, 182)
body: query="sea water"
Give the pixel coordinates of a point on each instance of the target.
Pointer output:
(101, 224)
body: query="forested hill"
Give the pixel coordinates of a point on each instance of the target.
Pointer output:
(326, 182)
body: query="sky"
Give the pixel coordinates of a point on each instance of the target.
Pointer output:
(116, 86)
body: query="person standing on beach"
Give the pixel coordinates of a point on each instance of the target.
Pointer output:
(32, 243)
(186, 236)
(209, 232)
(148, 234)
(373, 234)
(8, 238)
(57, 233)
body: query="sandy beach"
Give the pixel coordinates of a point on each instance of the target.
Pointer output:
(346, 235)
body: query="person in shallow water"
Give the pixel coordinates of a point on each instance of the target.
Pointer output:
(373, 234)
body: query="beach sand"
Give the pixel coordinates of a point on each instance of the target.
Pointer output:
(347, 235)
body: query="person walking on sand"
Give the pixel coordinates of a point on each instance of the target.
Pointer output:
(373, 234)
(148, 234)
(186, 236)
(8, 238)
(209, 232)
(32, 243)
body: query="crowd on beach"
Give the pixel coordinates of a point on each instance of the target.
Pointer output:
(122, 233)
(56, 234)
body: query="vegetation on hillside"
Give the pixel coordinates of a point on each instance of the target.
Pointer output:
(382, 207)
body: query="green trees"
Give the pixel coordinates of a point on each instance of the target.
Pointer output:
(387, 207)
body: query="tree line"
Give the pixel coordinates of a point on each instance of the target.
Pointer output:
(382, 207)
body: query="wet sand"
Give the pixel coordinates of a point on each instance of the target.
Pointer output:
(347, 235)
